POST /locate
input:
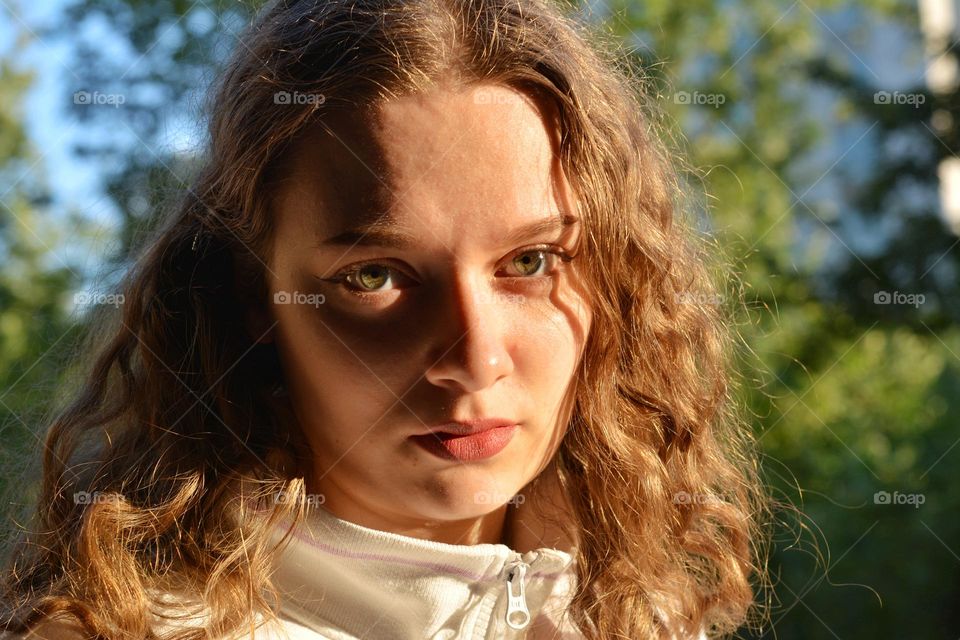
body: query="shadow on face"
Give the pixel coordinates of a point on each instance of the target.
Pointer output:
(419, 275)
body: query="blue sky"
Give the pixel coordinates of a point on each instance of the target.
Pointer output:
(75, 183)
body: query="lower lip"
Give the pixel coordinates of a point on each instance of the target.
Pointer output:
(478, 446)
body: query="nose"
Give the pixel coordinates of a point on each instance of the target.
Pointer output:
(473, 352)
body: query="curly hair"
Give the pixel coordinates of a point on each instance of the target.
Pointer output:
(174, 429)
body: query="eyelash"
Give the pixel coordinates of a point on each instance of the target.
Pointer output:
(340, 278)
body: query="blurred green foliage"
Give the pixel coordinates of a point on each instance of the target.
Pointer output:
(849, 397)
(820, 197)
(35, 329)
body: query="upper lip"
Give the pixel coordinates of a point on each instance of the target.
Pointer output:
(471, 426)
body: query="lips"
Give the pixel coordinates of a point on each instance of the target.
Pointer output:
(466, 441)
(471, 426)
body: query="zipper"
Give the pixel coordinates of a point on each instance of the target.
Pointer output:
(518, 616)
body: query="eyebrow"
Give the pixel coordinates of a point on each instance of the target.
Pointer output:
(386, 232)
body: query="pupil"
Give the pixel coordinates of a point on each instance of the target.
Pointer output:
(371, 276)
(527, 260)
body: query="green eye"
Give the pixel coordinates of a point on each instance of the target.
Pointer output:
(375, 278)
(529, 263)
(371, 277)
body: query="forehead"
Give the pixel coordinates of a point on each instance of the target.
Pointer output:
(467, 159)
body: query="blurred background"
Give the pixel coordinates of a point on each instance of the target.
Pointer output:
(824, 136)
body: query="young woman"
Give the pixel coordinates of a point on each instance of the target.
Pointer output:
(428, 351)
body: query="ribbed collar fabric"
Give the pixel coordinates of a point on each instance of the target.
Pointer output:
(341, 580)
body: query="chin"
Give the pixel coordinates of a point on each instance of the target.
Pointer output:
(472, 500)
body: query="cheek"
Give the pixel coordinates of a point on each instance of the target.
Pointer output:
(549, 344)
(332, 345)
(338, 379)
(542, 342)
(549, 334)
(547, 350)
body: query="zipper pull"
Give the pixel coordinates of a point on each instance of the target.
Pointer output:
(518, 616)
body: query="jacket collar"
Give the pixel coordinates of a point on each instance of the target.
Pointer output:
(344, 580)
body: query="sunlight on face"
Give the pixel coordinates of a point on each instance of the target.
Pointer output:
(408, 296)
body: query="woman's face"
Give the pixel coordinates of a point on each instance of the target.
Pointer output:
(406, 295)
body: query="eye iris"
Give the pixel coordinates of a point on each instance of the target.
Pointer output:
(372, 277)
(528, 263)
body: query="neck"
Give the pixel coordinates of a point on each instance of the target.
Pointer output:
(485, 529)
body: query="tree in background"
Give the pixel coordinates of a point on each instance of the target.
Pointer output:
(36, 283)
(822, 186)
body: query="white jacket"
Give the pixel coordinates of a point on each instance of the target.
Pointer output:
(341, 581)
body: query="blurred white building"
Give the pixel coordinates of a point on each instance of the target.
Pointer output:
(938, 20)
